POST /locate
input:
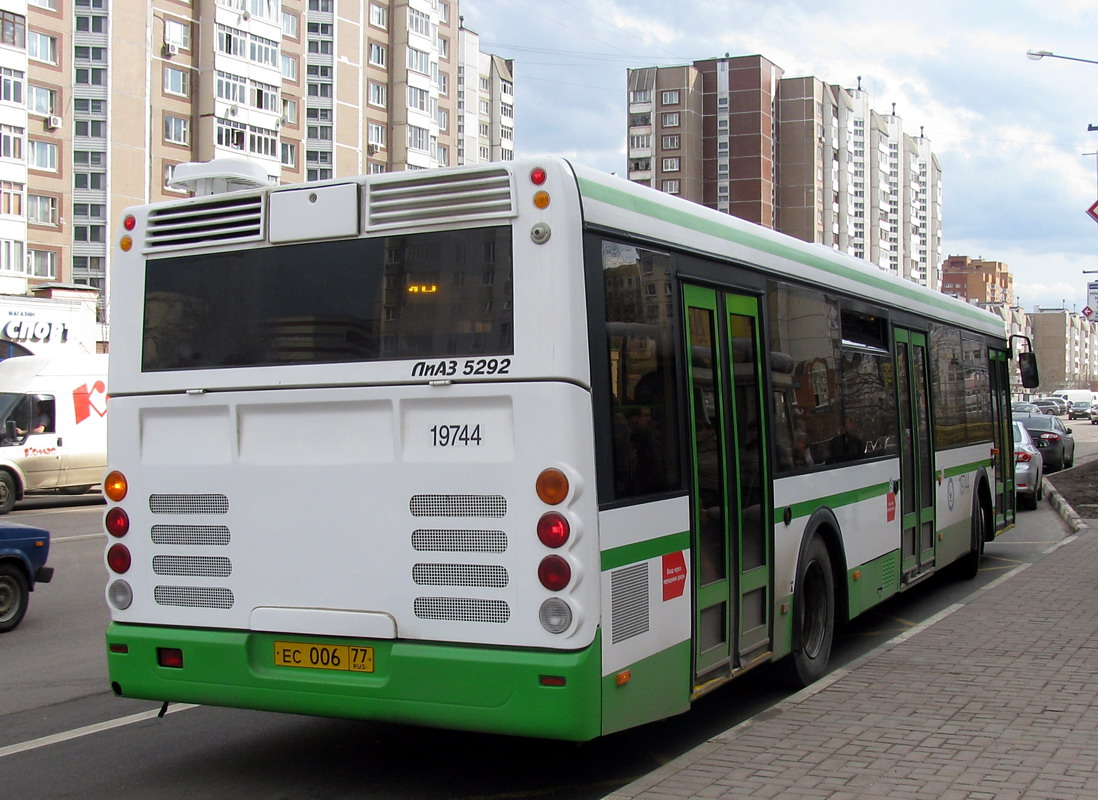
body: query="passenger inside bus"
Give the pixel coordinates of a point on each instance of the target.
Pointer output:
(846, 445)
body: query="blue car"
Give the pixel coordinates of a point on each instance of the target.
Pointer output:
(23, 554)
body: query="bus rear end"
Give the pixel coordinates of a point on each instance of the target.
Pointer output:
(351, 454)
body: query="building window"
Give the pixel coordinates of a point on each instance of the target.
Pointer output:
(13, 29)
(41, 100)
(419, 139)
(289, 155)
(289, 111)
(642, 96)
(41, 47)
(671, 142)
(671, 98)
(86, 24)
(41, 209)
(671, 187)
(419, 61)
(93, 128)
(11, 198)
(378, 95)
(176, 129)
(418, 99)
(42, 155)
(375, 134)
(89, 233)
(11, 86)
(11, 142)
(289, 68)
(377, 55)
(11, 256)
(177, 82)
(231, 87)
(178, 33)
(291, 25)
(671, 119)
(418, 22)
(379, 16)
(91, 76)
(671, 165)
(640, 141)
(42, 263)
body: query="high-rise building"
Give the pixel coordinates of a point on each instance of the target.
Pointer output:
(799, 155)
(98, 109)
(977, 281)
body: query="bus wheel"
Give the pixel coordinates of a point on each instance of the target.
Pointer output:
(7, 492)
(14, 594)
(969, 565)
(813, 616)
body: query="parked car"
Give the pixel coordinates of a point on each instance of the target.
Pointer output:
(23, 554)
(1080, 409)
(1024, 408)
(1049, 406)
(1094, 413)
(1062, 403)
(1028, 468)
(1052, 438)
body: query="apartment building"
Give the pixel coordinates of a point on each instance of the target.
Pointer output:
(102, 100)
(797, 154)
(977, 281)
(1067, 349)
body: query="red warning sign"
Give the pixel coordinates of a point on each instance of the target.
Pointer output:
(674, 575)
(890, 506)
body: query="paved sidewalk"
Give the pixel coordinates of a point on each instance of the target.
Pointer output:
(993, 699)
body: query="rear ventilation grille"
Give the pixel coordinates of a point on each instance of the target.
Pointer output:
(441, 541)
(191, 566)
(628, 602)
(234, 219)
(194, 596)
(462, 609)
(188, 504)
(482, 575)
(193, 535)
(480, 194)
(458, 505)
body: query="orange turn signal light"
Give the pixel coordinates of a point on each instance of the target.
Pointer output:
(552, 486)
(115, 486)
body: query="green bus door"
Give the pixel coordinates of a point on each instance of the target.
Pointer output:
(731, 497)
(918, 536)
(1002, 451)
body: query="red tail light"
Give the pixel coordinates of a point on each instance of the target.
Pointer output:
(1021, 456)
(553, 529)
(118, 558)
(117, 522)
(554, 573)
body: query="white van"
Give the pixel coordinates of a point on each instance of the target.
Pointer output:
(1074, 395)
(53, 427)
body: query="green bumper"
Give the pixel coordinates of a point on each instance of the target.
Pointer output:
(489, 689)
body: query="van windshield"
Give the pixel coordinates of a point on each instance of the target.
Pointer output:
(14, 409)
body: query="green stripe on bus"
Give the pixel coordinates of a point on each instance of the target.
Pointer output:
(684, 219)
(847, 498)
(961, 469)
(642, 551)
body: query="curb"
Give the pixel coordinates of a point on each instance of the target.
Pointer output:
(1061, 507)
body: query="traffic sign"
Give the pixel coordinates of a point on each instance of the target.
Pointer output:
(1092, 212)
(1087, 312)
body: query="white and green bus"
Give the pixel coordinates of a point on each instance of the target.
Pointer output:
(522, 448)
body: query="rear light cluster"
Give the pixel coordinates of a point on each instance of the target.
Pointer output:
(1021, 457)
(554, 531)
(117, 523)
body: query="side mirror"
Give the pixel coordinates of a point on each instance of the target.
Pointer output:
(9, 430)
(1027, 368)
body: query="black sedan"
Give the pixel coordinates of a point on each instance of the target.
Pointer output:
(1052, 438)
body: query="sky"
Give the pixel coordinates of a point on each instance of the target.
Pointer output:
(1019, 166)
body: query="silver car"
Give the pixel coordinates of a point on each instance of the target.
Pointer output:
(1028, 468)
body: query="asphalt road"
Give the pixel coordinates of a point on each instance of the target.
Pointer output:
(63, 734)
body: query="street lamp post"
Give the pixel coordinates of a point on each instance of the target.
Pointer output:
(1037, 55)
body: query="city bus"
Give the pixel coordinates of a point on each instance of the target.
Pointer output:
(521, 448)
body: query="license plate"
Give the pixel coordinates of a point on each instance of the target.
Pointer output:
(324, 656)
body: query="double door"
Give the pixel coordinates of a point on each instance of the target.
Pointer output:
(731, 500)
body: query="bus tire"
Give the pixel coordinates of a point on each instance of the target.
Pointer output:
(813, 616)
(14, 595)
(969, 564)
(7, 492)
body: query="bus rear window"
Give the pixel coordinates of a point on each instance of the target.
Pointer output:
(429, 295)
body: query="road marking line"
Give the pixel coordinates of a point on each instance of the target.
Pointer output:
(87, 730)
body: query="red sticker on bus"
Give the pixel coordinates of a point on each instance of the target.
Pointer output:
(890, 504)
(674, 575)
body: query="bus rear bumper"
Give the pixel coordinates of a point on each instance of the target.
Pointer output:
(542, 693)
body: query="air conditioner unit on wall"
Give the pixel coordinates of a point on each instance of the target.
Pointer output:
(171, 49)
(53, 122)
